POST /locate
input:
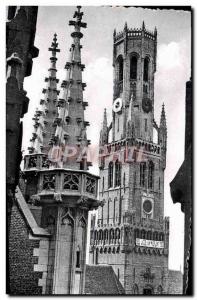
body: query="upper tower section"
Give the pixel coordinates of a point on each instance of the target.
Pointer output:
(134, 62)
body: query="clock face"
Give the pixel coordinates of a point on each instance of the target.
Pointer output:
(117, 105)
(146, 105)
(147, 206)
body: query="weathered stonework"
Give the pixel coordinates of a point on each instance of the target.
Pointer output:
(131, 233)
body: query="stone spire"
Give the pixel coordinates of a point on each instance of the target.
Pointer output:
(163, 117)
(71, 126)
(162, 136)
(143, 25)
(104, 130)
(44, 124)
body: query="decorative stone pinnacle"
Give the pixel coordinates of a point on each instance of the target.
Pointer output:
(143, 25)
(125, 26)
(54, 44)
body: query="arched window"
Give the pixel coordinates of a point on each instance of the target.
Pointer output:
(135, 289)
(120, 68)
(100, 235)
(142, 173)
(137, 234)
(105, 234)
(110, 175)
(97, 251)
(150, 175)
(161, 236)
(159, 290)
(133, 68)
(124, 184)
(117, 233)
(143, 234)
(78, 257)
(133, 91)
(146, 68)
(111, 234)
(155, 236)
(117, 173)
(149, 235)
(95, 235)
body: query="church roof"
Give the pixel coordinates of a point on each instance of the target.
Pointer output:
(101, 280)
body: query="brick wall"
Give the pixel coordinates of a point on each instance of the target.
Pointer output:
(23, 279)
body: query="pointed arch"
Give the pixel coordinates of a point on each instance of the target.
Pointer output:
(146, 68)
(82, 222)
(133, 67)
(159, 290)
(142, 174)
(120, 65)
(135, 289)
(151, 175)
(110, 174)
(117, 173)
(78, 257)
(68, 220)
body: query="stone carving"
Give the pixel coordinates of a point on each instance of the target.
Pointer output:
(35, 199)
(32, 162)
(90, 185)
(49, 182)
(71, 181)
(57, 197)
(148, 276)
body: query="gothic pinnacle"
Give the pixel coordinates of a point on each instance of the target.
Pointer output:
(155, 31)
(125, 26)
(71, 129)
(163, 116)
(105, 118)
(143, 25)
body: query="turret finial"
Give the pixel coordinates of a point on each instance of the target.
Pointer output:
(54, 44)
(114, 32)
(125, 26)
(163, 116)
(155, 31)
(143, 25)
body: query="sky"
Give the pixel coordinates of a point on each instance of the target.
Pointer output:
(173, 70)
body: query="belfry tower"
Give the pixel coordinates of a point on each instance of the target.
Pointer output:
(59, 187)
(132, 234)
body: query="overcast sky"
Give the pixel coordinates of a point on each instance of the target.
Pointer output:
(173, 70)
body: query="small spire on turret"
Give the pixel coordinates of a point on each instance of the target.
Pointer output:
(163, 117)
(125, 27)
(104, 130)
(114, 32)
(105, 117)
(155, 31)
(143, 25)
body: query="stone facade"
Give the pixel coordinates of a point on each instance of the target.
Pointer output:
(132, 234)
(20, 50)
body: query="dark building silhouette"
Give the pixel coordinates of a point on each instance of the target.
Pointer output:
(181, 192)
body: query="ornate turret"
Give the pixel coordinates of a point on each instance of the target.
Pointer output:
(61, 186)
(44, 118)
